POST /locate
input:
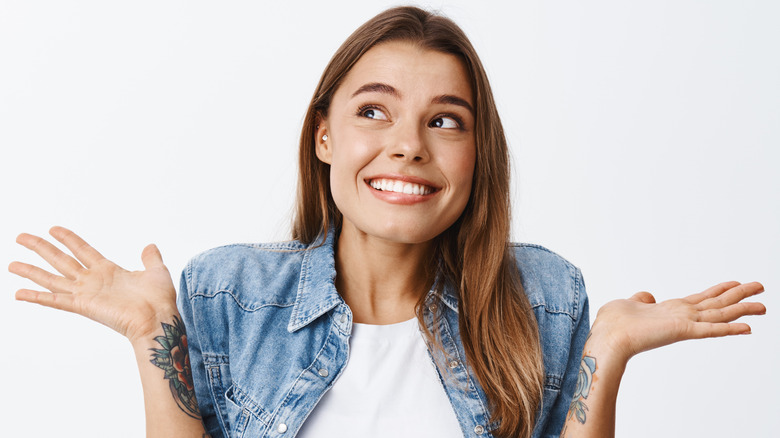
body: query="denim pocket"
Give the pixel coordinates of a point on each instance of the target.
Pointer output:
(232, 416)
(552, 390)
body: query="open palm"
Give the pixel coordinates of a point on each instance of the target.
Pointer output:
(639, 323)
(93, 286)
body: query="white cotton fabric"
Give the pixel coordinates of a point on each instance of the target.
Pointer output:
(389, 389)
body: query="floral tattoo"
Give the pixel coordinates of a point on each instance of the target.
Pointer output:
(174, 359)
(578, 407)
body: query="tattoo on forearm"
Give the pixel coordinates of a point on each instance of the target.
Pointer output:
(174, 359)
(578, 408)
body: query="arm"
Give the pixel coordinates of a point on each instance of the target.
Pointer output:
(624, 328)
(139, 305)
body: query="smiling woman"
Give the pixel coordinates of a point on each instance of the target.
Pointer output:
(400, 307)
(398, 123)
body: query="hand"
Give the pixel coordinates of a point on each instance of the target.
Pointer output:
(131, 303)
(628, 327)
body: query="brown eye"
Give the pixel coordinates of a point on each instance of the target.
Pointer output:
(373, 113)
(445, 122)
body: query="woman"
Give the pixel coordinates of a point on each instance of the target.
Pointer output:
(403, 215)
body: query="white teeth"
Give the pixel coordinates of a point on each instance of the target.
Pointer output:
(390, 185)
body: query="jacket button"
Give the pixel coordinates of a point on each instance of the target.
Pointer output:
(281, 428)
(343, 318)
(323, 372)
(454, 364)
(432, 307)
(479, 430)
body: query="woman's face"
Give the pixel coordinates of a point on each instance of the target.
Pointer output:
(400, 143)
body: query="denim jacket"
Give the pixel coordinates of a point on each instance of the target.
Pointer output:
(269, 334)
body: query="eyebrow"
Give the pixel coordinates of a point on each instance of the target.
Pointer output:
(452, 100)
(377, 87)
(446, 99)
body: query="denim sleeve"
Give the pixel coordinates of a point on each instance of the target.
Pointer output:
(199, 374)
(579, 333)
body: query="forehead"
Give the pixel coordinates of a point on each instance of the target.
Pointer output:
(413, 70)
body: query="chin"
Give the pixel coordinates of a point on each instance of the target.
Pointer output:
(406, 233)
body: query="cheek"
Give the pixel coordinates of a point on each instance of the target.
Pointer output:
(465, 169)
(350, 155)
(462, 168)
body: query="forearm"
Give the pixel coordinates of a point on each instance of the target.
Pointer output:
(169, 396)
(592, 410)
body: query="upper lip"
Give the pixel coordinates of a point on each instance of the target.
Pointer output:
(404, 178)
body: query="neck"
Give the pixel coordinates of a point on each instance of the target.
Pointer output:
(381, 281)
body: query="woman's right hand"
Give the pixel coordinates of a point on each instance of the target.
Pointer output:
(130, 302)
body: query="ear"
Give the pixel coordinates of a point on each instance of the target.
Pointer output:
(323, 146)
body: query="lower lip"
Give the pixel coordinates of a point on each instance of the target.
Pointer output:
(400, 198)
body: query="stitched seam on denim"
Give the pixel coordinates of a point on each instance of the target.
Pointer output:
(441, 379)
(215, 359)
(220, 416)
(573, 270)
(318, 311)
(245, 402)
(446, 303)
(540, 247)
(333, 318)
(188, 278)
(575, 278)
(244, 307)
(271, 246)
(553, 382)
(576, 321)
(286, 399)
(244, 416)
(472, 388)
(555, 312)
(321, 394)
(301, 288)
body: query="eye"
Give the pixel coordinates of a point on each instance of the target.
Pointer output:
(372, 112)
(446, 123)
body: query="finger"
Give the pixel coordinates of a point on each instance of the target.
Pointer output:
(711, 292)
(732, 312)
(731, 296)
(63, 263)
(643, 297)
(55, 301)
(54, 283)
(701, 330)
(151, 257)
(86, 254)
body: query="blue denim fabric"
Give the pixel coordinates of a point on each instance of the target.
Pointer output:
(265, 322)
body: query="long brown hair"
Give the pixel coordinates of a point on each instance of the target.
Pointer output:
(497, 326)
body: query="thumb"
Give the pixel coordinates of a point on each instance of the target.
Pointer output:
(151, 257)
(643, 297)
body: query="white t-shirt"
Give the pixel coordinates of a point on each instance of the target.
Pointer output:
(388, 389)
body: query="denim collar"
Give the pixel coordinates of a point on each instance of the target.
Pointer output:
(317, 288)
(317, 292)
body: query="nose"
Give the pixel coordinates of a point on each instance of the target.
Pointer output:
(409, 144)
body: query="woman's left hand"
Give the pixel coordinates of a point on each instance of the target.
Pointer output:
(628, 327)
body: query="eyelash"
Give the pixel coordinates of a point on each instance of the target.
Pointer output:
(457, 119)
(364, 108)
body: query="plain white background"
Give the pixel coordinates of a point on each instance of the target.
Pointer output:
(644, 138)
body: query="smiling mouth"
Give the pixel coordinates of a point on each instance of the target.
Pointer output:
(394, 185)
